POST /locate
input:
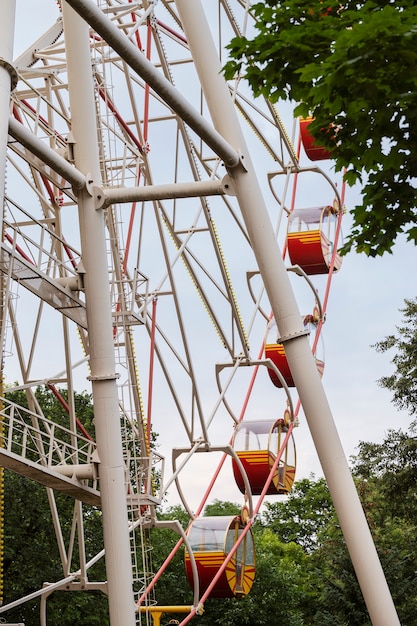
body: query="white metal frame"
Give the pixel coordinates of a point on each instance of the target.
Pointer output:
(79, 163)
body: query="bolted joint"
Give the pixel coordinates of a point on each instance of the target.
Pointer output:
(12, 72)
(103, 377)
(99, 197)
(301, 333)
(228, 186)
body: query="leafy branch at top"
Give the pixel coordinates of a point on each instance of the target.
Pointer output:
(352, 67)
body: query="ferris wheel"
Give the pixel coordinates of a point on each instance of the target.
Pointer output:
(133, 268)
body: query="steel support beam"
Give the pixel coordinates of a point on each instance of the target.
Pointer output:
(195, 189)
(42, 285)
(8, 79)
(144, 68)
(99, 320)
(57, 477)
(40, 149)
(289, 321)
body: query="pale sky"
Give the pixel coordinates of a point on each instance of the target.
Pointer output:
(363, 308)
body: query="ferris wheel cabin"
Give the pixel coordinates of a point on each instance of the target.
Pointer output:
(314, 151)
(276, 353)
(257, 444)
(310, 239)
(211, 540)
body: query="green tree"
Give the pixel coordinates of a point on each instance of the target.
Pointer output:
(340, 602)
(172, 588)
(31, 555)
(279, 594)
(220, 507)
(351, 66)
(386, 475)
(403, 382)
(303, 516)
(285, 587)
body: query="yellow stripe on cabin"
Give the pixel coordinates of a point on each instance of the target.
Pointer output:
(254, 456)
(275, 347)
(306, 237)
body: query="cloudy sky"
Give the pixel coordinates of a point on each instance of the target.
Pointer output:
(363, 308)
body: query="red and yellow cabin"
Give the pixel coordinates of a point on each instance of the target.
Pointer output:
(257, 445)
(211, 540)
(276, 353)
(314, 151)
(309, 239)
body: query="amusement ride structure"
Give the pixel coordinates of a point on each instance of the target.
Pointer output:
(159, 250)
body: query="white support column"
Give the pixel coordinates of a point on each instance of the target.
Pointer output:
(46, 154)
(301, 361)
(7, 83)
(102, 361)
(155, 79)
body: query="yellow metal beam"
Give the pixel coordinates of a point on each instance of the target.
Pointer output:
(158, 611)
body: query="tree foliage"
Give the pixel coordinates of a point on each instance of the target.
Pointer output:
(403, 382)
(279, 593)
(31, 555)
(304, 573)
(386, 475)
(351, 66)
(222, 507)
(303, 516)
